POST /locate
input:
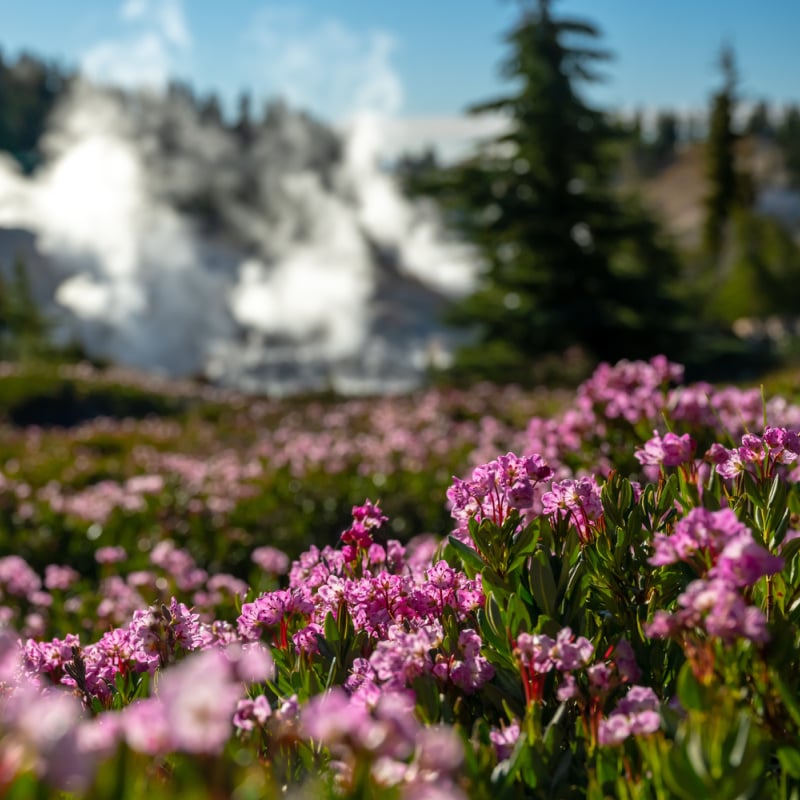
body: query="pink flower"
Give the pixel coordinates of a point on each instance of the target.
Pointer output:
(504, 739)
(578, 500)
(497, 488)
(250, 713)
(334, 720)
(200, 697)
(17, 578)
(535, 650)
(146, 727)
(59, 577)
(271, 560)
(110, 555)
(251, 663)
(43, 725)
(701, 530)
(636, 714)
(743, 561)
(670, 450)
(439, 749)
(570, 652)
(713, 606)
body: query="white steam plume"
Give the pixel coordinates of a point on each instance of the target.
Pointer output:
(278, 258)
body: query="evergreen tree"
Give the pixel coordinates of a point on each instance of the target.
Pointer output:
(566, 261)
(244, 123)
(655, 151)
(788, 136)
(24, 332)
(666, 138)
(759, 122)
(724, 184)
(29, 90)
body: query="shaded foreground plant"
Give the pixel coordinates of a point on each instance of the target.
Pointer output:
(577, 634)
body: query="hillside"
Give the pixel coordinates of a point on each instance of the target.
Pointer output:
(675, 193)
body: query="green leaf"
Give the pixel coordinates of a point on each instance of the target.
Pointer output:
(788, 695)
(790, 760)
(666, 498)
(491, 638)
(542, 584)
(691, 694)
(331, 629)
(429, 703)
(517, 616)
(616, 497)
(523, 545)
(469, 557)
(790, 549)
(752, 489)
(491, 579)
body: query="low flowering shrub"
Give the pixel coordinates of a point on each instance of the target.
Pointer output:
(613, 610)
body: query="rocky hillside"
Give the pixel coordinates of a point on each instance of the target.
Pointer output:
(675, 193)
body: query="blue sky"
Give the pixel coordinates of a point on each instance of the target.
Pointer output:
(413, 60)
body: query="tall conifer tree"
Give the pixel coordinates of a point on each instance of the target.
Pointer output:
(567, 261)
(723, 182)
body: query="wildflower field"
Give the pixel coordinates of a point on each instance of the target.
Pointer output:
(483, 593)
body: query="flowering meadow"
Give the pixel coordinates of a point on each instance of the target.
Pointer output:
(458, 594)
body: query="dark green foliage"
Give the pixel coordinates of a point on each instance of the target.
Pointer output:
(29, 89)
(727, 188)
(40, 397)
(568, 263)
(788, 136)
(24, 331)
(764, 273)
(760, 123)
(652, 153)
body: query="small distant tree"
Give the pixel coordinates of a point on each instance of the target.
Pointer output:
(752, 263)
(24, 331)
(210, 111)
(655, 150)
(726, 187)
(759, 122)
(29, 90)
(788, 135)
(244, 122)
(665, 141)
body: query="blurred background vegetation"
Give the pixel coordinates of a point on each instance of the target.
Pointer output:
(602, 237)
(582, 219)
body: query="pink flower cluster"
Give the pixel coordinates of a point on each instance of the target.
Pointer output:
(394, 597)
(638, 393)
(96, 503)
(384, 435)
(153, 639)
(358, 537)
(495, 489)
(636, 714)
(43, 726)
(633, 390)
(196, 703)
(716, 543)
(724, 552)
(669, 450)
(715, 607)
(271, 560)
(759, 455)
(576, 500)
(540, 654)
(586, 682)
(418, 761)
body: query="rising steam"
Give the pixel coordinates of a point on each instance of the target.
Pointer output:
(273, 256)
